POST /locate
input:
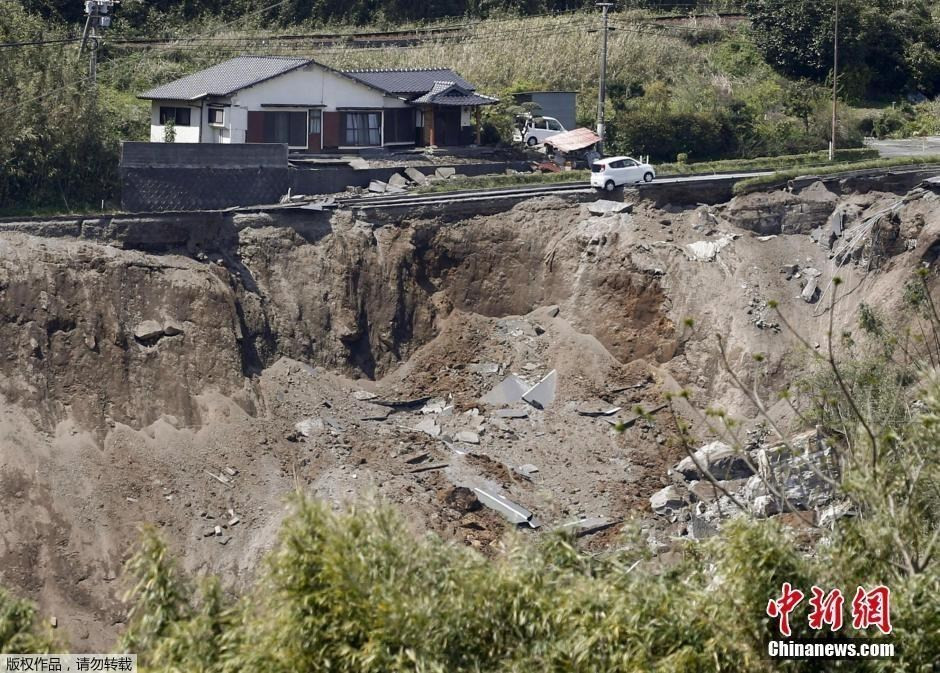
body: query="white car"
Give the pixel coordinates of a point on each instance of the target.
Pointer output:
(538, 129)
(613, 172)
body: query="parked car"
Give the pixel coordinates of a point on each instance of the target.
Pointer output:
(613, 172)
(538, 129)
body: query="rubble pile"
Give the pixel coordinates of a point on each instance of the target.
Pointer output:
(717, 482)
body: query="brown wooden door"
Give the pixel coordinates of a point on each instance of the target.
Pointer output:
(331, 123)
(447, 126)
(255, 127)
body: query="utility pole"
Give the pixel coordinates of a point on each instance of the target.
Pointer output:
(835, 81)
(98, 17)
(602, 91)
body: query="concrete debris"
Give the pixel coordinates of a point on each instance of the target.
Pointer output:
(508, 391)
(172, 328)
(552, 311)
(429, 426)
(667, 500)
(829, 515)
(233, 521)
(527, 470)
(400, 405)
(467, 437)
(230, 471)
(377, 416)
(310, 426)
(707, 251)
(416, 176)
(378, 187)
(426, 468)
(594, 411)
(605, 207)
(719, 459)
(398, 180)
(485, 367)
(764, 239)
(810, 290)
(542, 394)
(359, 164)
(513, 512)
(217, 531)
(700, 529)
(148, 329)
(511, 413)
(221, 478)
(435, 406)
(588, 525)
(364, 395)
(812, 272)
(445, 172)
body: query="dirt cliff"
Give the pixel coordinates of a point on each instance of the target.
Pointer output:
(188, 374)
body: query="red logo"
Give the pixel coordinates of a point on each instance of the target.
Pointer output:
(869, 608)
(782, 607)
(827, 609)
(872, 608)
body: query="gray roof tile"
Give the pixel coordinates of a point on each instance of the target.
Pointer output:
(405, 82)
(225, 78)
(451, 93)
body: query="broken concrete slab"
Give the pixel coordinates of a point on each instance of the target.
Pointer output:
(512, 413)
(467, 437)
(429, 426)
(542, 394)
(426, 468)
(434, 406)
(527, 470)
(588, 525)
(722, 461)
(485, 367)
(707, 251)
(377, 186)
(172, 328)
(148, 329)
(667, 500)
(606, 207)
(508, 391)
(416, 176)
(513, 512)
(359, 164)
(398, 180)
(363, 395)
(445, 172)
(810, 290)
(595, 410)
(399, 405)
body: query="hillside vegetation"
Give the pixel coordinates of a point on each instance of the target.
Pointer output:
(701, 88)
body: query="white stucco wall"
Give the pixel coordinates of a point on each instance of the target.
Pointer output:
(184, 134)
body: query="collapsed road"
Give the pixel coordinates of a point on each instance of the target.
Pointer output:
(480, 371)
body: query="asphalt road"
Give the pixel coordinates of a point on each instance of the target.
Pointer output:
(907, 147)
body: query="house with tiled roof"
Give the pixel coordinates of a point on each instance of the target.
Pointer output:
(314, 108)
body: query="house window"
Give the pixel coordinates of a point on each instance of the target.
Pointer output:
(286, 127)
(180, 116)
(362, 129)
(216, 116)
(315, 119)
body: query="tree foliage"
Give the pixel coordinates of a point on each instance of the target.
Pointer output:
(885, 46)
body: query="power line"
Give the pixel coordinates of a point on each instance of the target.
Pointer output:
(38, 43)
